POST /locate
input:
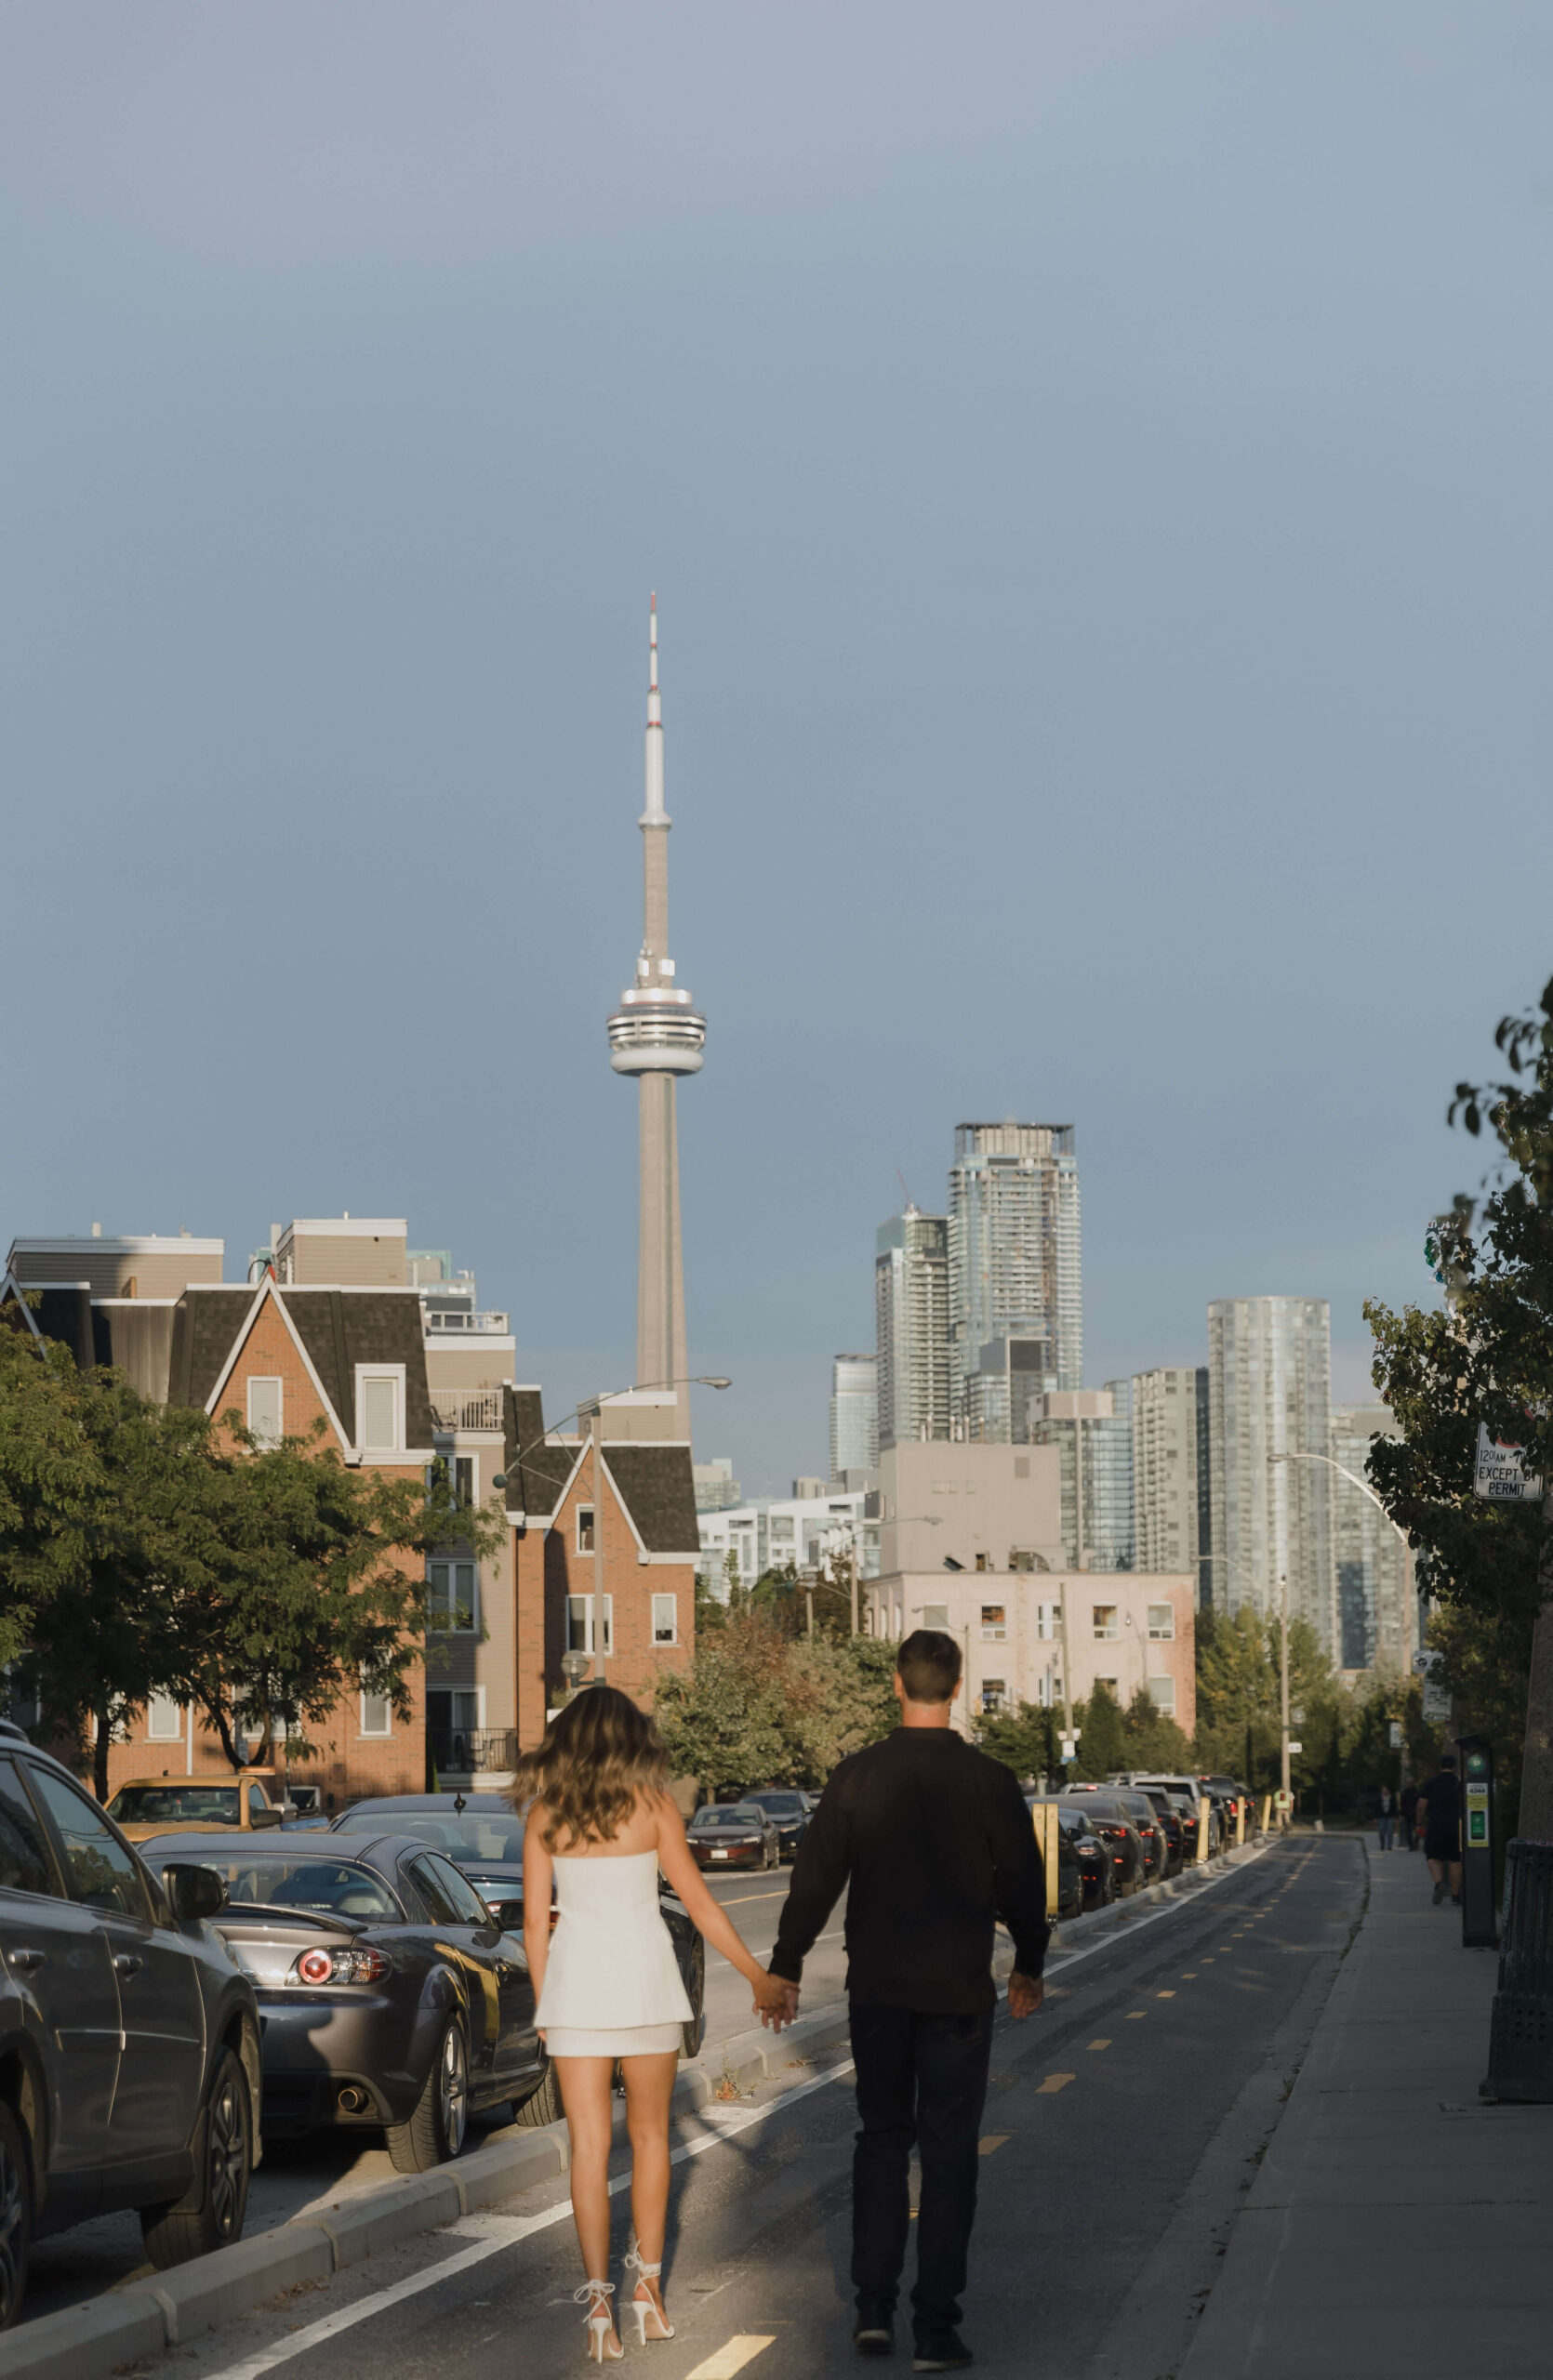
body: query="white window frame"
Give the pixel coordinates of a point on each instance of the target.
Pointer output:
(592, 1512)
(394, 1372)
(477, 1725)
(1165, 1634)
(449, 1626)
(993, 1632)
(163, 1703)
(942, 1624)
(673, 1603)
(376, 1735)
(588, 1645)
(1112, 1634)
(999, 1689)
(267, 1380)
(474, 1462)
(1166, 1709)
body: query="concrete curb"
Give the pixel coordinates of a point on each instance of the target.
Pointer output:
(90, 2341)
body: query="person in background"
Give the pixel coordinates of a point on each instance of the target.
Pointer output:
(935, 1843)
(1388, 1817)
(1408, 1804)
(1438, 1815)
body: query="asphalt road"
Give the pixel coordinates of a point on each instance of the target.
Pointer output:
(296, 2176)
(1122, 2126)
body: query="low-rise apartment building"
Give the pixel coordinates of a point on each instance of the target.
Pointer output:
(770, 1532)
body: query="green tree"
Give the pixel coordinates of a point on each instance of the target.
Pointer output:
(1487, 1359)
(1102, 1737)
(761, 1708)
(1023, 1739)
(1152, 1738)
(49, 1482)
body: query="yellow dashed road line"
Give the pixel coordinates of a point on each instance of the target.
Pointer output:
(988, 2142)
(1099, 2044)
(1053, 2082)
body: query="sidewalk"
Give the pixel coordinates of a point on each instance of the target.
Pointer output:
(1398, 2224)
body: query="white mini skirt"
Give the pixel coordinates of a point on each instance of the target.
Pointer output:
(612, 2040)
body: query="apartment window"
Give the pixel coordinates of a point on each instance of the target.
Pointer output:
(935, 1615)
(377, 1715)
(380, 1409)
(665, 1620)
(994, 1620)
(1109, 1683)
(465, 1479)
(781, 1529)
(1048, 1620)
(1161, 1622)
(450, 1596)
(580, 1624)
(163, 1719)
(453, 1706)
(585, 1528)
(264, 1411)
(981, 1561)
(1161, 1694)
(994, 1691)
(1105, 1621)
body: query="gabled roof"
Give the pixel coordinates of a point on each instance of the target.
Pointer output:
(335, 1329)
(536, 1486)
(657, 1487)
(58, 1310)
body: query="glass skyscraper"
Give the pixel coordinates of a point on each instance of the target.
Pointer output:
(1269, 1406)
(1014, 1273)
(1172, 1492)
(910, 1291)
(1092, 1430)
(854, 1414)
(1377, 1603)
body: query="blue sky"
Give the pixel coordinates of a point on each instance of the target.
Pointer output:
(1093, 463)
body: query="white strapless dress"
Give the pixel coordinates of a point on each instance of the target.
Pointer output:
(612, 1984)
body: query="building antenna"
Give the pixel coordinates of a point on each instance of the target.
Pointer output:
(904, 1191)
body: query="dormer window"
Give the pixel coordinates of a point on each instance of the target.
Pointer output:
(380, 1409)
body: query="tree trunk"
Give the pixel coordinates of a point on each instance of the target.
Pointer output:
(1536, 1776)
(104, 1736)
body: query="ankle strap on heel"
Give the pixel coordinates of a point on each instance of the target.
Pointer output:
(592, 2289)
(637, 2262)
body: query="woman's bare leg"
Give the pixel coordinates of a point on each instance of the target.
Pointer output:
(649, 2091)
(589, 2101)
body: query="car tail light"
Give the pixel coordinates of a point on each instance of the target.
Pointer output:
(354, 1965)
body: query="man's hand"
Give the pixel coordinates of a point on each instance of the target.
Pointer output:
(1026, 1993)
(780, 2009)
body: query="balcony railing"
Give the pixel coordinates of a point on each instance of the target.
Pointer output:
(469, 1751)
(468, 1320)
(471, 1408)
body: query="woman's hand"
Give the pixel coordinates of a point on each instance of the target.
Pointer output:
(776, 2001)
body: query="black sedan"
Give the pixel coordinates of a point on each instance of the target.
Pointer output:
(1092, 1852)
(1070, 1894)
(734, 1835)
(1114, 1824)
(789, 1813)
(388, 1994)
(483, 1837)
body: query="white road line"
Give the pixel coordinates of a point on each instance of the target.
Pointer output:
(1131, 1926)
(498, 2232)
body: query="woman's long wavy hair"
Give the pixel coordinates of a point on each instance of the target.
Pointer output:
(600, 1756)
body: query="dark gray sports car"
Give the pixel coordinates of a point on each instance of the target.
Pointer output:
(388, 1992)
(481, 1835)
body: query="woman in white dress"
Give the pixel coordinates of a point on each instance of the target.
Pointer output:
(599, 1827)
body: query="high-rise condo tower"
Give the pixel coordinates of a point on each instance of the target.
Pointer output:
(656, 1035)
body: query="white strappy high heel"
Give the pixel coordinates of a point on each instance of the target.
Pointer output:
(601, 2347)
(642, 2304)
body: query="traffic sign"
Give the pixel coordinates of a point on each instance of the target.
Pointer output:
(1394, 1735)
(1499, 1472)
(1294, 1747)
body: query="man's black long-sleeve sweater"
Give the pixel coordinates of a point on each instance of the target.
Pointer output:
(938, 1844)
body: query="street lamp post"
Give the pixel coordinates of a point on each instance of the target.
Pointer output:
(593, 1406)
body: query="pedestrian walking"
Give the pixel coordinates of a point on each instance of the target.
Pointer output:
(934, 1843)
(1439, 1819)
(1388, 1817)
(601, 1825)
(1408, 1804)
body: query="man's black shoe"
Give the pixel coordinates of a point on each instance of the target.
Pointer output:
(874, 2332)
(947, 2352)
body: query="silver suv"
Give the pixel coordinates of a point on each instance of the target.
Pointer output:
(129, 2066)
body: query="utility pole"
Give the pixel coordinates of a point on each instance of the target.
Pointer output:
(1283, 1685)
(596, 1433)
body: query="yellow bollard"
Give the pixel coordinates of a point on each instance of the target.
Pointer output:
(1266, 1812)
(1203, 1830)
(1239, 1820)
(1048, 1829)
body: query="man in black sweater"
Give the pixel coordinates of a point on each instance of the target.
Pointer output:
(936, 1844)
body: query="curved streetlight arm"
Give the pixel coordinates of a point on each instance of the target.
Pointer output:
(1362, 1485)
(686, 1379)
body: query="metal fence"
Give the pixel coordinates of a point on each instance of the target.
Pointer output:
(470, 1751)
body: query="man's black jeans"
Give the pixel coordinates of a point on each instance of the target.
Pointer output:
(922, 2079)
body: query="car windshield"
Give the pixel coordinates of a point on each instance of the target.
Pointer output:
(474, 1835)
(1098, 1806)
(781, 1806)
(705, 1820)
(162, 1804)
(334, 1888)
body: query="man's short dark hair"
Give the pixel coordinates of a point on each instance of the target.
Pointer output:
(929, 1665)
(1447, 1760)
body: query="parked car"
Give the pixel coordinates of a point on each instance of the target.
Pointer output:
(1094, 1854)
(789, 1811)
(129, 2041)
(1114, 1825)
(1171, 1826)
(1071, 1894)
(1141, 1810)
(388, 1992)
(149, 1805)
(1228, 1795)
(483, 1838)
(734, 1835)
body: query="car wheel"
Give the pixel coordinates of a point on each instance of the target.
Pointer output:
(543, 2103)
(440, 2118)
(16, 2215)
(172, 2235)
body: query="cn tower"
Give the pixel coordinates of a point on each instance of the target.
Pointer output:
(656, 1035)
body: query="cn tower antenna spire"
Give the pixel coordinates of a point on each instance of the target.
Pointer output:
(655, 811)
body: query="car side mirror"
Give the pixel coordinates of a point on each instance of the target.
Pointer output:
(193, 1892)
